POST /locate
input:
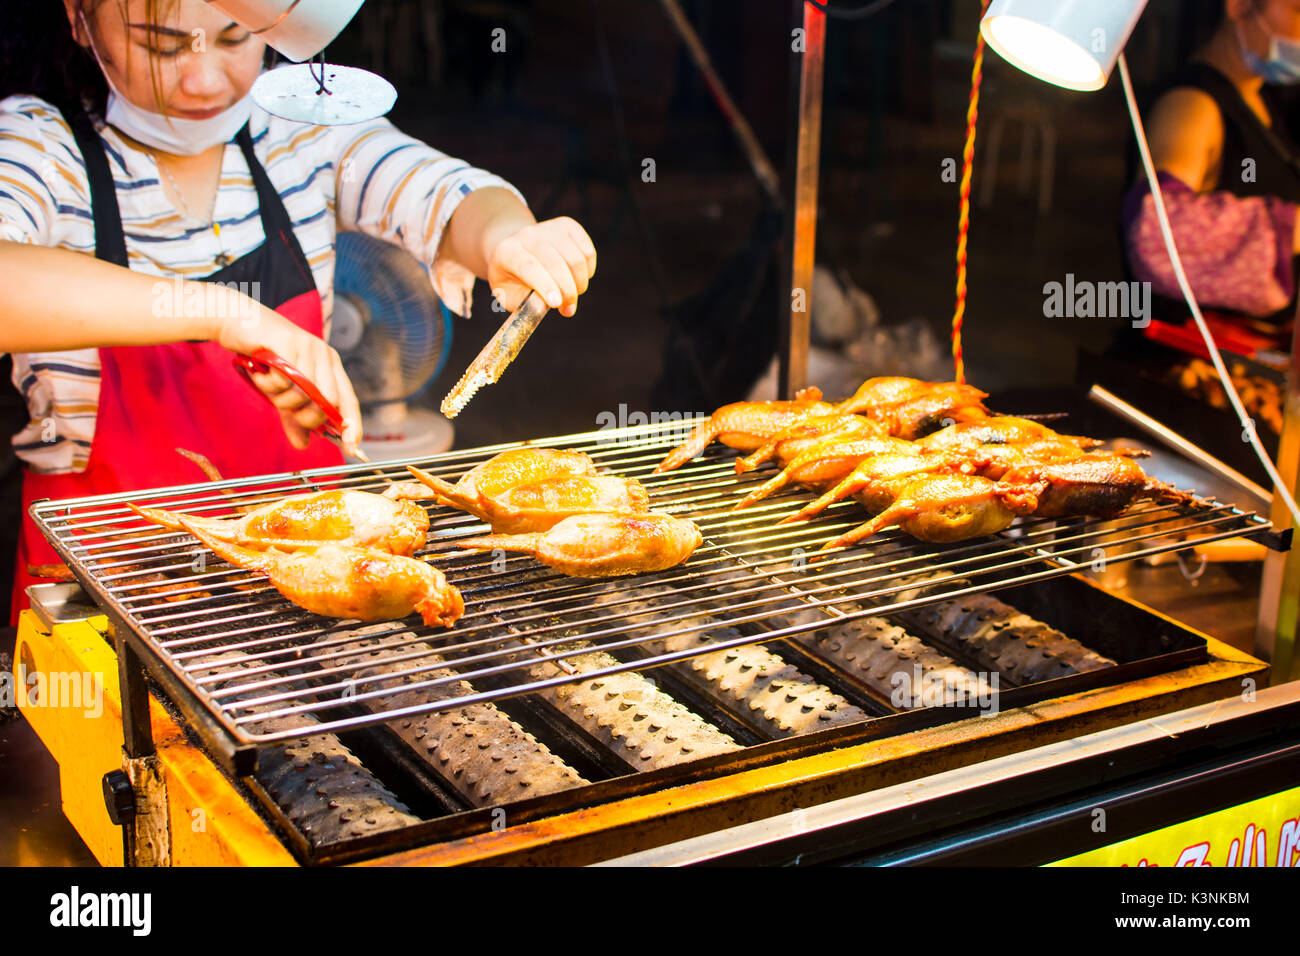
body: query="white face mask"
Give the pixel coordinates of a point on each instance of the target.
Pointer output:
(171, 134)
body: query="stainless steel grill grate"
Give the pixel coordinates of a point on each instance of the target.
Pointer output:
(238, 655)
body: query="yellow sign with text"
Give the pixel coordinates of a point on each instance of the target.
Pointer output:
(1264, 832)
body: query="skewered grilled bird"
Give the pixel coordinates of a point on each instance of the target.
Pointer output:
(875, 481)
(791, 442)
(828, 462)
(1096, 485)
(356, 518)
(909, 407)
(943, 508)
(339, 580)
(962, 437)
(603, 545)
(540, 505)
(747, 425)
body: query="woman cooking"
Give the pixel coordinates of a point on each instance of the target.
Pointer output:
(1224, 139)
(130, 153)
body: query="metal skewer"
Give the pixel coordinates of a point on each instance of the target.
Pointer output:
(1177, 442)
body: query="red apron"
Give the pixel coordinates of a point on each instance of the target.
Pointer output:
(157, 398)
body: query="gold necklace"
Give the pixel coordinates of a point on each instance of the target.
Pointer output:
(222, 258)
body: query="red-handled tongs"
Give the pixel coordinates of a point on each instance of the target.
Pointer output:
(263, 361)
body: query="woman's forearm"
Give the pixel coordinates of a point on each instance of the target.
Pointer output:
(483, 219)
(55, 299)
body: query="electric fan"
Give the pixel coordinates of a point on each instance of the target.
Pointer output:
(393, 335)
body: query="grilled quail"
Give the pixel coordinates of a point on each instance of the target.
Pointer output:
(603, 545)
(748, 425)
(540, 505)
(339, 580)
(356, 518)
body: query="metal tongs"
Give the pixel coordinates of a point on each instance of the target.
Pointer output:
(497, 354)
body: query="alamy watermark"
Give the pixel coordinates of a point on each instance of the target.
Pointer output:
(133, 911)
(681, 424)
(176, 298)
(1083, 299)
(81, 690)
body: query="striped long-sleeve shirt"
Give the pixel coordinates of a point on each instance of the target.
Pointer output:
(368, 177)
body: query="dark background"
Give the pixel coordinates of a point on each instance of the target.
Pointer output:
(689, 249)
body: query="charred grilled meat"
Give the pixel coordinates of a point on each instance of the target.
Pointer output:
(1097, 485)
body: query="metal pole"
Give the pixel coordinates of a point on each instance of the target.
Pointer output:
(796, 329)
(1279, 593)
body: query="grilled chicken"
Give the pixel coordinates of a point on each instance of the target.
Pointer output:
(540, 505)
(824, 464)
(356, 518)
(791, 442)
(603, 545)
(947, 507)
(339, 580)
(748, 425)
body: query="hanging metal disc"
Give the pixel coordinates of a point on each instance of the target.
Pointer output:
(323, 94)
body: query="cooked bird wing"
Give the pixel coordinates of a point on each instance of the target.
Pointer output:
(520, 466)
(539, 505)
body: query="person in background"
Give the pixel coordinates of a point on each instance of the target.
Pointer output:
(130, 152)
(1224, 140)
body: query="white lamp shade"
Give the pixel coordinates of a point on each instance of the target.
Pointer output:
(299, 29)
(1072, 43)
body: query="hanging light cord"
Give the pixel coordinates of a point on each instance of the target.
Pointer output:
(963, 220)
(320, 57)
(1247, 423)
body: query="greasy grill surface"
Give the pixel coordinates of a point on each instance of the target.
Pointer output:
(249, 657)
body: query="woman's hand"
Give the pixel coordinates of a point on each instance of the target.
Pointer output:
(309, 354)
(555, 257)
